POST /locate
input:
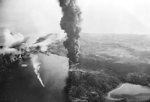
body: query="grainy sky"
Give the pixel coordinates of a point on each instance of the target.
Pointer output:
(31, 17)
(99, 16)
(116, 16)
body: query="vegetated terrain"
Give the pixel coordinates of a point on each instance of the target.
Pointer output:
(106, 61)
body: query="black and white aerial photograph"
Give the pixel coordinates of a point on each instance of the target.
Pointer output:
(74, 50)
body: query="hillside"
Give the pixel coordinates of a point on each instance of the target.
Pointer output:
(108, 60)
(126, 53)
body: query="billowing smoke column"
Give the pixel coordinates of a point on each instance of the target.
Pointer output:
(70, 23)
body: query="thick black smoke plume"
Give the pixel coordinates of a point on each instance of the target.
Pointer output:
(70, 23)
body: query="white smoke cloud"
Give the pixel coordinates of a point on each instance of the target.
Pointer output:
(9, 51)
(46, 41)
(8, 40)
(11, 39)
